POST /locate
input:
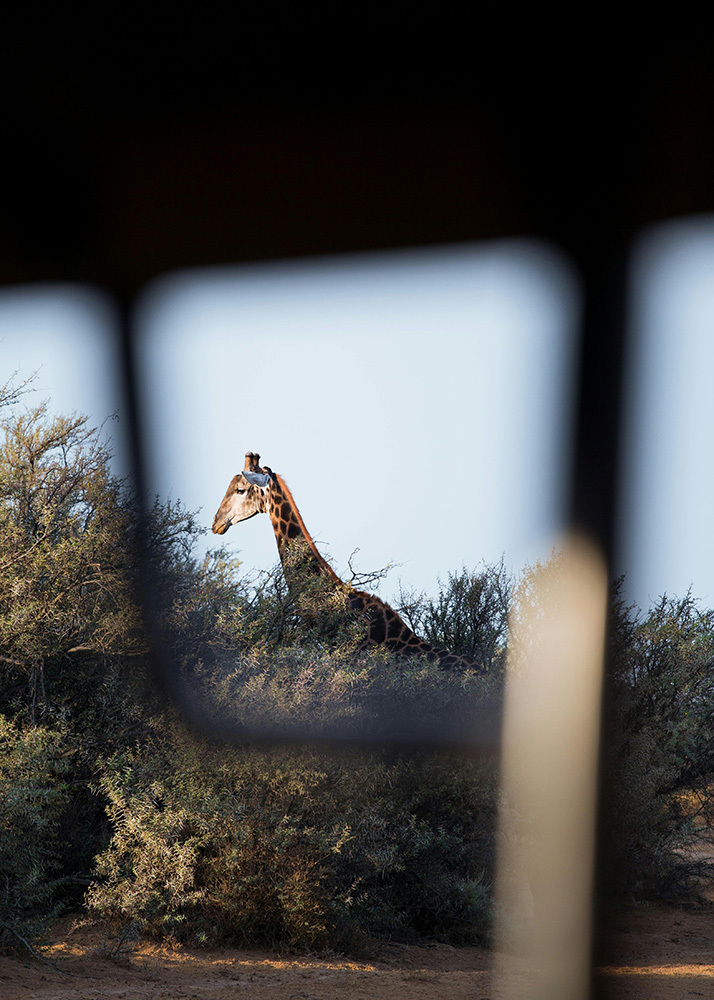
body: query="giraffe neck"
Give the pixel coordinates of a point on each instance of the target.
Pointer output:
(300, 558)
(298, 552)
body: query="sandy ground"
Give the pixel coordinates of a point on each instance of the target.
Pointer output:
(655, 952)
(659, 953)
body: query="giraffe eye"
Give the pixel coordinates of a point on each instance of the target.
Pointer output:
(241, 491)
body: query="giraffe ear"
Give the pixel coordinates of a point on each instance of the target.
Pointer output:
(256, 478)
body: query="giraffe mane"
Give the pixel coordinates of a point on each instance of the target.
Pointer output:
(313, 548)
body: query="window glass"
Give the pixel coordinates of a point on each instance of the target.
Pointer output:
(417, 403)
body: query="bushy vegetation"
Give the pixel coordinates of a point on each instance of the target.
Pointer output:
(295, 846)
(113, 805)
(661, 745)
(468, 616)
(34, 790)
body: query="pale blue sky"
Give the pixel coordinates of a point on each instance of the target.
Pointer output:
(64, 334)
(668, 544)
(417, 403)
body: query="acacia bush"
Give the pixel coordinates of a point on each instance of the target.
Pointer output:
(469, 614)
(296, 846)
(659, 738)
(75, 669)
(35, 765)
(660, 746)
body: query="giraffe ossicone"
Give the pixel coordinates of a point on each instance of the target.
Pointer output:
(258, 490)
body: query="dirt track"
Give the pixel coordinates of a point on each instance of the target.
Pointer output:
(659, 953)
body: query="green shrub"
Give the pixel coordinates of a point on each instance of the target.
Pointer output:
(660, 746)
(34, 767)
(469, 615)
(295, 846)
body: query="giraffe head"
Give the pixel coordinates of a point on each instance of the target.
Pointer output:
(246, 495)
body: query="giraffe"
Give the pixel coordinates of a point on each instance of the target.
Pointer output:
(259, 490)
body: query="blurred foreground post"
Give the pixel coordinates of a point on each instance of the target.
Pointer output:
(544, 890)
